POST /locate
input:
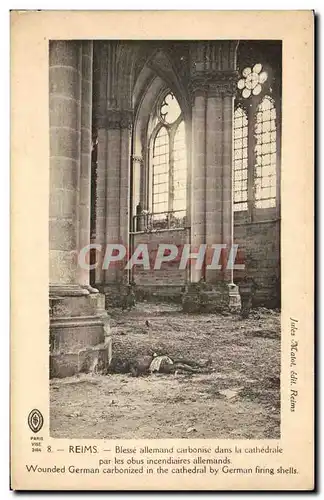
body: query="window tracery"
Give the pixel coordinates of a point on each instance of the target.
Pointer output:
(255, 141)
(169, 162)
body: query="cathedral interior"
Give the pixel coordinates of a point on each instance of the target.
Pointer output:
(159, 142)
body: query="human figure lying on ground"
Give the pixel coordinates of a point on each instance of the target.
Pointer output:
(165, 364)
(142, 365)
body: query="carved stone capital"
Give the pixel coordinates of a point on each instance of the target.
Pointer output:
(214, 83)
(137, 159)
(222, 89)
(116, 119)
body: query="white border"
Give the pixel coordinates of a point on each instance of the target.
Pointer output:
(5, 159)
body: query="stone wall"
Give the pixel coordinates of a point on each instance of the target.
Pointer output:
(259, 244)
(259, 250)
(169, 280)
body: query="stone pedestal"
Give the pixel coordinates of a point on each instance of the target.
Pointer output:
(80, 335)
(214, 298)
(207, 298)
(247, 292)
(114, 294)
(234, 297)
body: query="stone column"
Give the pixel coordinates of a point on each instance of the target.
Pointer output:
(138, 185)
(85, 155)
(228, 214)
(77, 316)
(198, 191)
(112, 193)
(219, 144)
(124, 188)
(65, 68)
(70, 160)
(113, 121)
(118, 125)
(101, 187)
(213, 87)
(214, 178)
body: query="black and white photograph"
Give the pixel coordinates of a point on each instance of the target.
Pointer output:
(164, 239)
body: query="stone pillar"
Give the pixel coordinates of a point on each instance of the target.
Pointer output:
(78, 319)
(198, 224)
(124, 186)
(113, 194)
(214, 178)
(65, 120)
(228, 214)
(118, 125)
(213, 87)
(138, 187)
(85, 154)
(113, 122)
(219, 144)
(100, 223)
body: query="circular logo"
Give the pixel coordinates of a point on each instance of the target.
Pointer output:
(35, 420)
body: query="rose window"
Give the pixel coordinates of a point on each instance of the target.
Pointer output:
(252, 81)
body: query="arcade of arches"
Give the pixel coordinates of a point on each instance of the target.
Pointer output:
(160, 142)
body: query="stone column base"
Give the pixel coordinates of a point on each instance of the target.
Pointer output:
(115, 294)
(209, 298)
(93, 359)
(79, 332)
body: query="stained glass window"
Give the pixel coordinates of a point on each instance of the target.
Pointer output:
(255, 141)
(169, 161)
(265, 154)
(161, 171)
(170, 109)
(252, 81)
(240, 159)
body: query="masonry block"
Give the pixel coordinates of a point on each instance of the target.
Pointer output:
(79, 331)
(206, 298)
(93, 359)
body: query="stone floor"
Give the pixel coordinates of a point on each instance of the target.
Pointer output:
(238, 397)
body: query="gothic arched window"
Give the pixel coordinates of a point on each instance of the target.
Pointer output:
(161, 171)
(255, 141)
(240, 159)
(168, 160)
(265, 154)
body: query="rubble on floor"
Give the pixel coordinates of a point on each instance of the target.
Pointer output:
(232, 392)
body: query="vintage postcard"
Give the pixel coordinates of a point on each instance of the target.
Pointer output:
(162, 250)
